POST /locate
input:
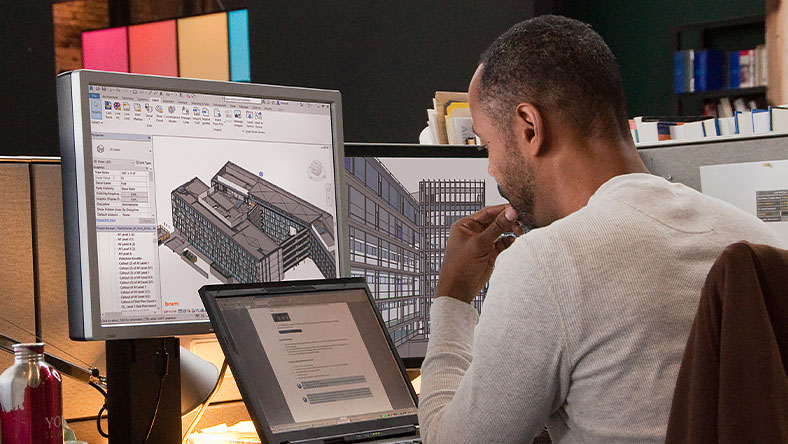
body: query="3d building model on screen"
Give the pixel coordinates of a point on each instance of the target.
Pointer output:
(247, 228)
(397, 239)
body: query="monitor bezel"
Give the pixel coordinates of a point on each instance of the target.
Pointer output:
(79, 209)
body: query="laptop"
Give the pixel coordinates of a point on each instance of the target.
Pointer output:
(314, 362)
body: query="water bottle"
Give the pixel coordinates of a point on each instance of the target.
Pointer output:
(31, 404)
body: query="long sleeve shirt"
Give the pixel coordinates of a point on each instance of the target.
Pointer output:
(584, 323)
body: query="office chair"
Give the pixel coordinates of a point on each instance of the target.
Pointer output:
(732, 385)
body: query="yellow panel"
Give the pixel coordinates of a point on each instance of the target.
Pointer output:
(203, 50)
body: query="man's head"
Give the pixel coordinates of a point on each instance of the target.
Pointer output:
(542, 79)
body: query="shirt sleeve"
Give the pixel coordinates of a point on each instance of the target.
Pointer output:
(500, 379)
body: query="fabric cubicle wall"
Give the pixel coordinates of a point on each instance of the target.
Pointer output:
(680, 161)
(33, 276)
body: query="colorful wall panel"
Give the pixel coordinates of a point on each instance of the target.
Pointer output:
(153, 49)
(203, 48)
(213, 46)
(106, 50)
(238, 27)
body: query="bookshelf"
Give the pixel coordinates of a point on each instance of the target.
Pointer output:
(717, 93)
(727, 35)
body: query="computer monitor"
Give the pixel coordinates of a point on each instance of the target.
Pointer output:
(170, 184)
(402, 202)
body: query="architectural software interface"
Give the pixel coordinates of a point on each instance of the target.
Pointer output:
(193, 189)
(316, 360)
(400, 214)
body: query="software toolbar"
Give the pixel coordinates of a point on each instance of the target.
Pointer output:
(203, 115)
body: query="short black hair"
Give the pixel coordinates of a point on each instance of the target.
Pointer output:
(561, 66)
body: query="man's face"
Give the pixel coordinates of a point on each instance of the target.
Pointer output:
(507, 164)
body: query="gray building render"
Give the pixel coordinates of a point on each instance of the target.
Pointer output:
(250, 229)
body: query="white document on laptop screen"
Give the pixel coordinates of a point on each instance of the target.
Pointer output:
(320, 361)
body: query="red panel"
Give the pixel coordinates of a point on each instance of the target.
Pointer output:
(106, 50)
(153, 48)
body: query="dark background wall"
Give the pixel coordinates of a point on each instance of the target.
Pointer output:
(28, 121)
(640, 34)
(387, 58)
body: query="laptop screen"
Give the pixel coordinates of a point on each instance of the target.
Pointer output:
(316, 359)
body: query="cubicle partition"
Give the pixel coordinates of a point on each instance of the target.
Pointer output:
(680, 161)
(32, 272)
(33, 293)
(33, 278)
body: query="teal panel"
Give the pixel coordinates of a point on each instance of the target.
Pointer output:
(238, 26)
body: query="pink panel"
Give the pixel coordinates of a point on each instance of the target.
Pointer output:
(106, 50)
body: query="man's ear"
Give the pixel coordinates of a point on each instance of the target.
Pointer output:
(530, 128)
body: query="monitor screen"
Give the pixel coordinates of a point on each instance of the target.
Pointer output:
(400, 211)
(170, 184)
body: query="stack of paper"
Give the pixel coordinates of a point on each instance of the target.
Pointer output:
(241, 433)
(450, 120)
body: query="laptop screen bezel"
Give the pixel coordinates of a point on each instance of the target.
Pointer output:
(210, 294)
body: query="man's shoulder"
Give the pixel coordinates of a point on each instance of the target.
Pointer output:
(636, 216)
(640, 206)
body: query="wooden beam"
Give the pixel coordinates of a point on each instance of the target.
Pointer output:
(777, 47)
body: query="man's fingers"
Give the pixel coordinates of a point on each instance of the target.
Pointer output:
(504, 222)
(503, 243)
(487, 215)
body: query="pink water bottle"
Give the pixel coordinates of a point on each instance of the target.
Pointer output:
(31, 404)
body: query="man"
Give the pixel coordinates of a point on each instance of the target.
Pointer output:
(586, 316)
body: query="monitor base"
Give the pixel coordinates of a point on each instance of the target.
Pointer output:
(134, 371)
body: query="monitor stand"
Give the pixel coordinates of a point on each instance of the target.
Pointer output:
(134, 369)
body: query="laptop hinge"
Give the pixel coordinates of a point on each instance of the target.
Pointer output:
(359, 437)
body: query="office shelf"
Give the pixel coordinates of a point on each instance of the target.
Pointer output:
(727, 35)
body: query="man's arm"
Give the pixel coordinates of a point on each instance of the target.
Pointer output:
(501, 382)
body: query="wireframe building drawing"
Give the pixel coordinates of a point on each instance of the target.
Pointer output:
(383, 224)
(249, 229)
(397, 239)
(441, 203)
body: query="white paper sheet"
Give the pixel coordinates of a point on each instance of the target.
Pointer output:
(320, 361)
(759, 188)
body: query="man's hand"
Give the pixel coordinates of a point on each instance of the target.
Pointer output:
(474, 244)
